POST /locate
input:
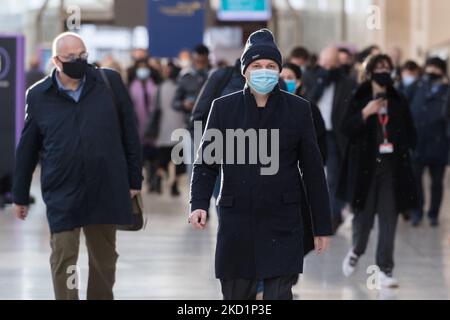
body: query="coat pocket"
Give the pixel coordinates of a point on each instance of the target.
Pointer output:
(225, 201)
(291, 197)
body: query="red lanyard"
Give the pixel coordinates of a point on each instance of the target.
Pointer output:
(384, 120)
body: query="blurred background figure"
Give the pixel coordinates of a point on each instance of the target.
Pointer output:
(376, 178)
(300, 56)
(142, 90)
(331, 91)
(136, 55)
(34, 72)
(223, 81)
(292, 77)
(431, 120)
(361, 57)
(164, 120)
(410, 74)
(347, 61)
(184, 59)
(190, 82)
(109, 62)
(396, 55)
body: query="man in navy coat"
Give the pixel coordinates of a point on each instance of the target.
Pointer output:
(264, 230)
(87, 142)
(428, 108)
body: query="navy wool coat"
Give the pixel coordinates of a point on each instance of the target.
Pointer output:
(264, 230)
(430, 115)
(88, 163)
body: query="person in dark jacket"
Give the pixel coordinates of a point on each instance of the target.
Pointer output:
(347, 63)
(409, 78)
(301, 57)
(263, 233)
(91, 164)
(292, 76)
(191, 81)
(331, 92)
(221, 82)
(376, 177)
(428, 108)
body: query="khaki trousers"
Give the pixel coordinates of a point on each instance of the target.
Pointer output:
(101, 246)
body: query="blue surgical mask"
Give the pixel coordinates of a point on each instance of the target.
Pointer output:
(263, 80)
(408, 80)
(143, 73)
(291, 85)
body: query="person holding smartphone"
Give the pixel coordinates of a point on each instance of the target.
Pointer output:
(377, 177)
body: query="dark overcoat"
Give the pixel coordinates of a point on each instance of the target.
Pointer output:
(88, 163)
(362, 150)
(264, 230)
(429, 111)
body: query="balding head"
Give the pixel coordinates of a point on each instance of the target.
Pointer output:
(329, 58)
(67, 48)
(68, 43)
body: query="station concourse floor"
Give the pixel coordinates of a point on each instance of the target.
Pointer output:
(169, 260)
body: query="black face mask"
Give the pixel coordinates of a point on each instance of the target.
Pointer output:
(432, 77)
(75, 69)
(383, 79)
(333, 74)
(346, 69)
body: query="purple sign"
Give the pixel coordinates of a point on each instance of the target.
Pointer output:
(12, 99)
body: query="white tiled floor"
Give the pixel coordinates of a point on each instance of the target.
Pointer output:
(168, 260)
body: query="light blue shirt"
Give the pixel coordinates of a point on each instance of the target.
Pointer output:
(74, 94)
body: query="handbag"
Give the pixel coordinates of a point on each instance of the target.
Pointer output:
(136, 202)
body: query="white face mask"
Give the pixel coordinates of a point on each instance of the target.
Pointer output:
(143, 73)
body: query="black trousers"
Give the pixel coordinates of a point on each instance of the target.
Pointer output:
(279, 288)
(333, 166)
(380, 200)
(437, 174)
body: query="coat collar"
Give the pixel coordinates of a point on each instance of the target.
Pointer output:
(91, 79)
(254, 121)
(271, 102)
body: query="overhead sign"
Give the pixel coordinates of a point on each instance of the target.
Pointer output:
(174, 25)
(12, 104)
(245, 10)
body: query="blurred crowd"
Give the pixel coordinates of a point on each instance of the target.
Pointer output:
(173, 93)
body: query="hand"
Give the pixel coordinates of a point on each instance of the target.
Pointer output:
(188, 104)
(198, 219)
(21, 212)
(373, 107)
(133, 193)
(321, 244)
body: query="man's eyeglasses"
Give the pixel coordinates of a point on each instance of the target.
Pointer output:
(72, 57)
